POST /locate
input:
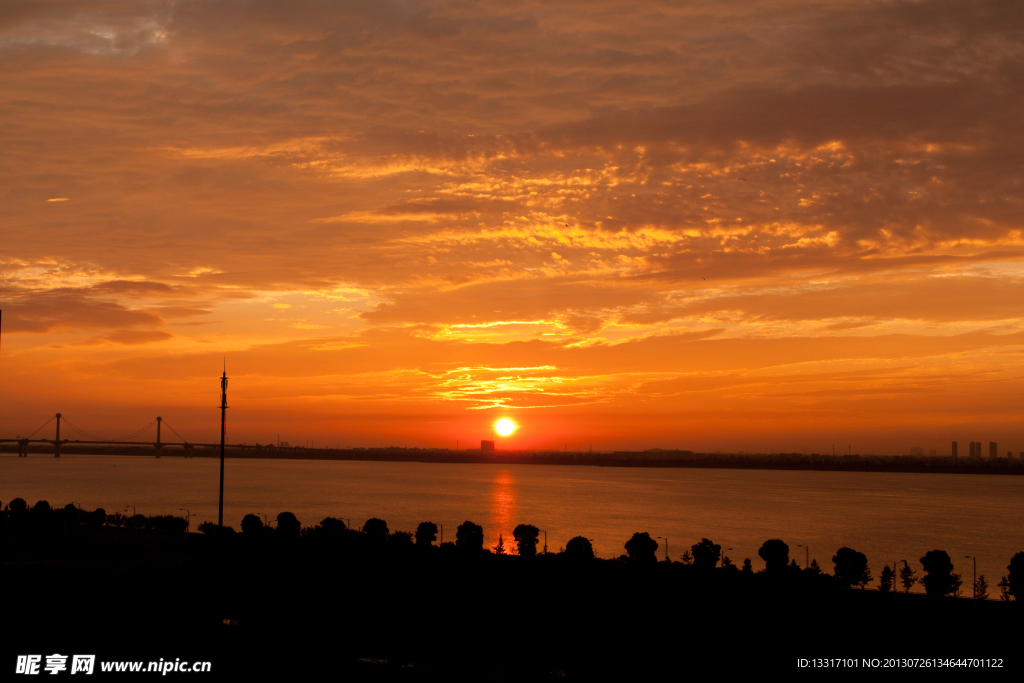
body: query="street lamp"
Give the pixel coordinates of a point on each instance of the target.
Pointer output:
(807, 554)
(666, 547)
(188, 519)
(974, 585)
(723, 555)
(905, 563)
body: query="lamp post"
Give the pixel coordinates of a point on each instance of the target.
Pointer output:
(666, 547)
(807, 555)
(723, 555)
(974, 585)
(894, 575)
(188, 519)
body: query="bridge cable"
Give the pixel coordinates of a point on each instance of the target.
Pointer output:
(96, 438)
(47, 422)
(80, 430)
(136, 433)
(183, 440)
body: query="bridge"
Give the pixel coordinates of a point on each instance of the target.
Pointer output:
(92, 440)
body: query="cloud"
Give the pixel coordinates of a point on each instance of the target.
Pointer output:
(571, 177)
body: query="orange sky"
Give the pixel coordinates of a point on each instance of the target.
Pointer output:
(773, 225)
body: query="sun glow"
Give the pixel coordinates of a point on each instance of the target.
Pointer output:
(504, 426)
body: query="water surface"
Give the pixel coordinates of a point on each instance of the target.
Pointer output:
(887, 516)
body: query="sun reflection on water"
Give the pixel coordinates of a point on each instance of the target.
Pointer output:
(503, 511)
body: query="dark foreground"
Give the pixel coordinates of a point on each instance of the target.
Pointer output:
(357, 608)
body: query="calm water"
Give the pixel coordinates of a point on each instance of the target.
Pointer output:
(886, 516)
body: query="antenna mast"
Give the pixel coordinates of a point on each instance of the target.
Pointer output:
(223, 417)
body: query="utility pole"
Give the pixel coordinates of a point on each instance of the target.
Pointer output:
(56, 443)
(223, 418)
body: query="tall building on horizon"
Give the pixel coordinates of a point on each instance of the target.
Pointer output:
(993, 450)
(954, 449)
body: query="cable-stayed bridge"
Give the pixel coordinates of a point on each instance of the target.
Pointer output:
(136, 438)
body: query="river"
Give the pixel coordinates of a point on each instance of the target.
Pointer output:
(887, 516)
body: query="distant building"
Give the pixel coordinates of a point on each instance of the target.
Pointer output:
(975, 449)
(933, 453)
(487, 446)
(284, 444)
(954, 449)
(993, 450)
(917, 450)
(1009, 455)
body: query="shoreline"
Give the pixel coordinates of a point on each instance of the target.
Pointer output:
(646, 459)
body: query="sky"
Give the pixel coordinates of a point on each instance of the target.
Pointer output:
(743, 225)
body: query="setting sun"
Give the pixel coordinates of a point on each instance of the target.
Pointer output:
(504, 426)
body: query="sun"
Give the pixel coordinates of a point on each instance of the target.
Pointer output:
(504, 426)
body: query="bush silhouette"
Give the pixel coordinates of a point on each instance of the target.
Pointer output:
(252, 525)
(775, 554)
(469, 537)
(288, 525)
(580, 548)
(426, 534)
(706, 554)
(526, 536)
(376, 529)
(332, 526)
(641, 548)
(851, 568)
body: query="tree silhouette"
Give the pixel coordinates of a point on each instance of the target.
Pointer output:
(642, 548)
(908, 577)
(705, 554)
(748, 568)
(686, 558)
(981, 588)
(815, 568)
(580, 548)
(426, 534)
(288, 525)
(851, 568)
(939, 580)
(376, 530)
(252, 525)
(1015, 578)
(499, 548)
(526, 537)
(1004, 590)
(469, 537)
(775, 554)
(886, 579)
